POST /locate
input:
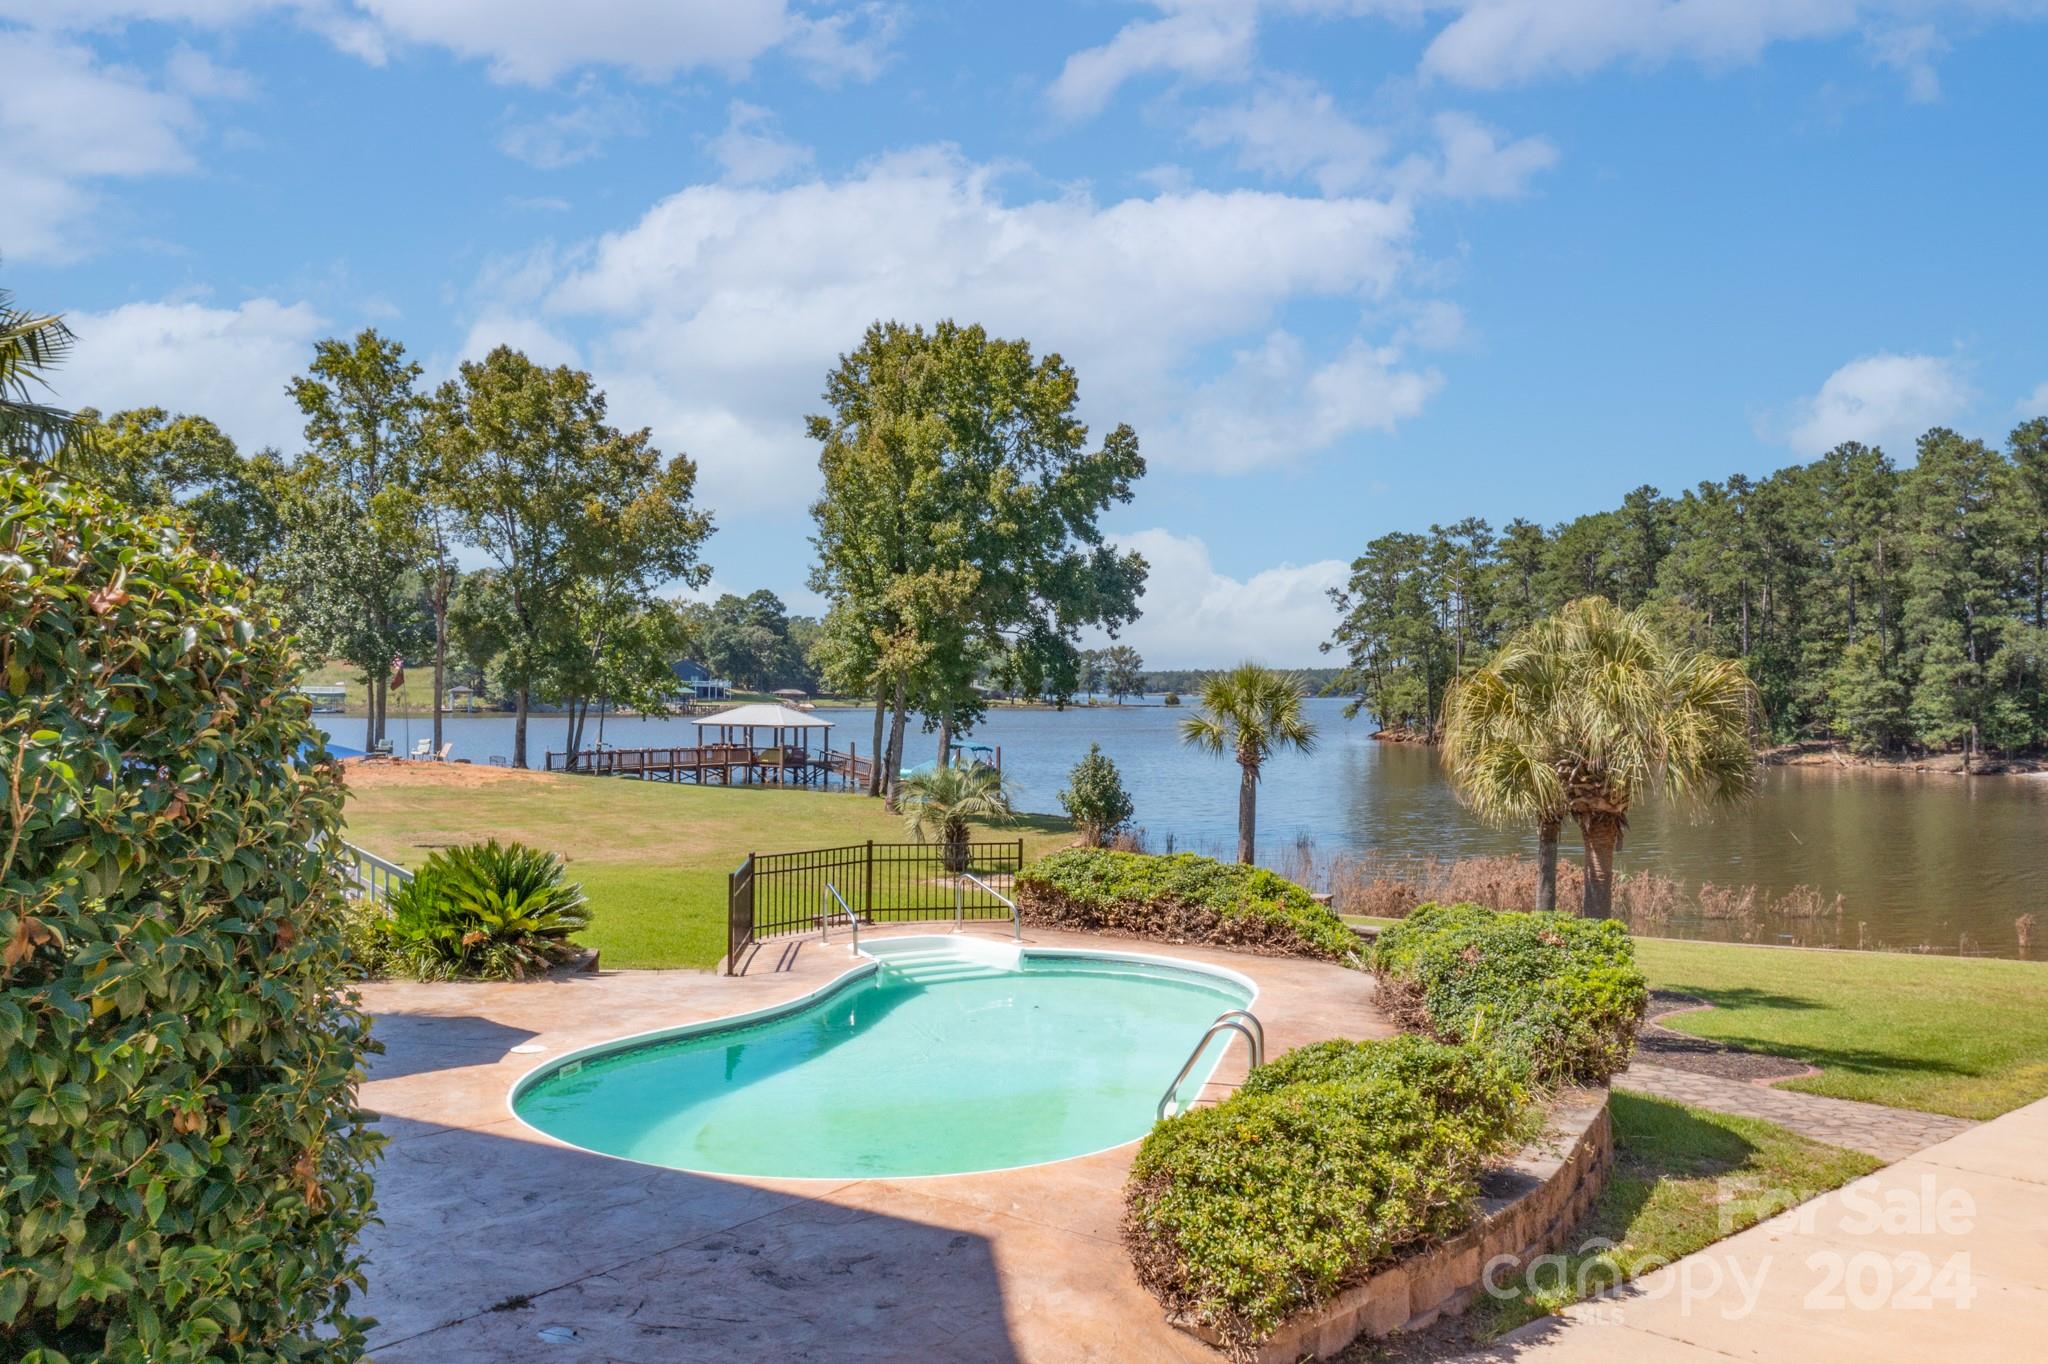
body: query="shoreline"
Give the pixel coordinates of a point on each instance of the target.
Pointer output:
(1829, 753)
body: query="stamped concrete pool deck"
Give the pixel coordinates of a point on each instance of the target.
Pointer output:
(499, 1243)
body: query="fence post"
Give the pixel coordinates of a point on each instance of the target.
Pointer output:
(868, 895)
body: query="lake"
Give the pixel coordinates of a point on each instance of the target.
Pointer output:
(1920, 860)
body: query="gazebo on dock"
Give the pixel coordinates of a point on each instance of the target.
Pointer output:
(753, 743)
(740, 724)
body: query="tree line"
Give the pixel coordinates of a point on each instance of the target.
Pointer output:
(1890, 609)
(571, 523)
(500, 522)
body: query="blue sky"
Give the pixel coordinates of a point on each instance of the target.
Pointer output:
(1346, 265)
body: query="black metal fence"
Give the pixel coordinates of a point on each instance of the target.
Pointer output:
(773, 894)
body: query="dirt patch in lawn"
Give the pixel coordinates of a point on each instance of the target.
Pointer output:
(371, 776)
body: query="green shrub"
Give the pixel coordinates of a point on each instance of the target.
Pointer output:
(1330, 1162)
(1181, 898)
(1095, 799)
(1454, 1079)
(183, 1168)
(486, 911)
(1558, 997)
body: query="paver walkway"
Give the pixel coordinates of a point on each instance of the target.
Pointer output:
(1942, 1256)
(1887, 1133)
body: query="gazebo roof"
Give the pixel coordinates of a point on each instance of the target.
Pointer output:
(761, 715)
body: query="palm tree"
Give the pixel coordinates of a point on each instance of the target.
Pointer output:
(1628, 713)
(1500, 750)
(942, 800)
(30, 346)
(1249, 713)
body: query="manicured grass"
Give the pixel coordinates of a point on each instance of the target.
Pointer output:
(652, 857)
(1962, 1036)
(1683, 1178)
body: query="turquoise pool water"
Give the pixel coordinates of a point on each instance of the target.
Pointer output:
(934, 1063)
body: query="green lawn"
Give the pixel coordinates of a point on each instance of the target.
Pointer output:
(652, 857)
(1683, 1178)
(1962, 1036)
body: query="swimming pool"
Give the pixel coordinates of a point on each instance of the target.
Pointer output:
(938, 1055)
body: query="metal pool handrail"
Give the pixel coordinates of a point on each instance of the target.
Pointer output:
(825, 919)
(960, 906)
(1233, 1020)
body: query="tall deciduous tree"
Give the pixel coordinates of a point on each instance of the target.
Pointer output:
(1249, 714)
(959, 516)
(557, 497)
(357, 488)
(185, 464)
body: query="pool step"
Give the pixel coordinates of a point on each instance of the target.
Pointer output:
(937, 966)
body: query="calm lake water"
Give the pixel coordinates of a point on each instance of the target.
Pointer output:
(1919, 859)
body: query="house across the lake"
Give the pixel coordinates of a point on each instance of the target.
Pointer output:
(695, 683)
(327, 699)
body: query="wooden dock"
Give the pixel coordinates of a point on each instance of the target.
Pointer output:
(721, 765)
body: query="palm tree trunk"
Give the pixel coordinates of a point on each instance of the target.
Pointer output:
(1546, 863)
(1602, 834)
(1247, 811)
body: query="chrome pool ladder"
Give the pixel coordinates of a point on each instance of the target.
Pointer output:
(825, 916)
(960, 904)
(1245, 1024)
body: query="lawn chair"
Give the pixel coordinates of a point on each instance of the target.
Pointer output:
(446, 749)
(423, 749)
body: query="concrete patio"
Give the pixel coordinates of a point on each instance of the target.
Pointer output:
(499, 1243)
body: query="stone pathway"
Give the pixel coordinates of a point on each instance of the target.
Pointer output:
(1887, 1133)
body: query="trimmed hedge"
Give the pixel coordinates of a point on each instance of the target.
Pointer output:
(183, 1168)
(1182, 898)
(1328, 1163)
(1558, 997)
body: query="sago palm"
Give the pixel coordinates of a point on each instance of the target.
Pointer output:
(1630, 714)
(939, 805)
(1249, 713)
(30, 347)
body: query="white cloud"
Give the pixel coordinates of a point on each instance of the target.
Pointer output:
(229, 364)
(1275, 406)
(750, 151)
(1882, 399)
(1497, 43)
(1277, 616)
(1474, 163)
(196, 73)
(2035, 404)
(1291, 129)
(575, 134)
(1207, 39)
(535, 41)
(67, 122)
(719, 312)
